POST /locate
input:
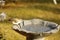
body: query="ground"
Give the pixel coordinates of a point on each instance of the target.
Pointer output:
(44, 11)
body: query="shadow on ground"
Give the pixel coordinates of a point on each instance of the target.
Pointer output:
(28, 36)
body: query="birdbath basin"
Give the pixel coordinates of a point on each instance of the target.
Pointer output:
(36, 27)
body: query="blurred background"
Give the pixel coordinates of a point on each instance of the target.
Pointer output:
(28, 9)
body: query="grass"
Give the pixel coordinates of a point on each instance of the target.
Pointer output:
(49, 12)
(8, 33)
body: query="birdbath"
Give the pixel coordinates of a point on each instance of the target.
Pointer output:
(36, 29)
